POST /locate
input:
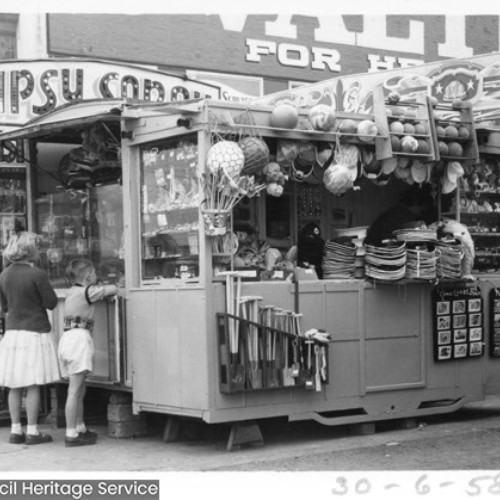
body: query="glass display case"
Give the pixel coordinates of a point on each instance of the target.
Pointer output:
(12, 201)
(84, 223)
(170, 211)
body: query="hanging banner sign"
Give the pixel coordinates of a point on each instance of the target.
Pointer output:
(29, 89)
(475, 79)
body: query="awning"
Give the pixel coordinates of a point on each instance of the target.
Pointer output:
(64, 123)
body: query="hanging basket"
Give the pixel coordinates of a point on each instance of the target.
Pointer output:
(216, 221)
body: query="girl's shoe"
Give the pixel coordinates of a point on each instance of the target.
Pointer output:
(38, 438)
(77, 441)
(91, 436)
(17, 438)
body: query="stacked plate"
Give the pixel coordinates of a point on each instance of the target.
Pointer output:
(421, 262)
(387, 262)
(415, 234)
(339, 259)
(449, 259)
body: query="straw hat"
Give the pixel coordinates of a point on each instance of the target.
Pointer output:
(419, 172)
(452, 173)
(389, 165)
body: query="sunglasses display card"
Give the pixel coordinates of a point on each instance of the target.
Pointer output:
(495, 323)
(458, 323)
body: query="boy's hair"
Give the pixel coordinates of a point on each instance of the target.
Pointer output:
(77, 268)
(22, 246)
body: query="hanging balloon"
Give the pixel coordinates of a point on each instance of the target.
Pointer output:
(226, 156)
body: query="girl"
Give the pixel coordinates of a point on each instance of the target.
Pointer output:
(27, 351)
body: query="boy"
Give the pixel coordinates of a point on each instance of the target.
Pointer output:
(76, 347)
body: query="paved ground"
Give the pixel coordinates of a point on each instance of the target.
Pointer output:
(447, 456)
(465, 440)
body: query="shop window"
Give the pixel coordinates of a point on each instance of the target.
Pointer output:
(84, 221)
(170, 208)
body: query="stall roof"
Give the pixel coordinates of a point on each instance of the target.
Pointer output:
(64, 123)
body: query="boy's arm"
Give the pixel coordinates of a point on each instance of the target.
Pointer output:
(93, 293)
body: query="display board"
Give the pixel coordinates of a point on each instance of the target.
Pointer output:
(495, 323)
(458, 323)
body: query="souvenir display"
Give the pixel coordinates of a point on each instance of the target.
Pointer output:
(420, 261)
(339, 259)
(458, 323)
(386, 263)
(495, 322)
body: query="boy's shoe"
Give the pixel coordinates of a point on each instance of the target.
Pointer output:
(38, 438)
(77, 441)
(17, 438)
(91, 436)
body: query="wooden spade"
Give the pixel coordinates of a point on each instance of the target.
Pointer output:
(288, 377)
(254, 373)
(237, 369)
(309, 375)
(269, 372)
(302, 374)
(317, 376)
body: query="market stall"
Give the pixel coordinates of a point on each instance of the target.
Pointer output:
(209, 216)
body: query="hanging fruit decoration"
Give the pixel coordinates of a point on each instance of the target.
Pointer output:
(226, 156)
(322, 117)
(284, 115)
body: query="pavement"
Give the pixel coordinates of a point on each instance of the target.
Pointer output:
(203, 448)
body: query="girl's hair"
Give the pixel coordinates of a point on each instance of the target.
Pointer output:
(77, 268)
(22, 246)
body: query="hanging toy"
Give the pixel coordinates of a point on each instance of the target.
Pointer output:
(226, 156)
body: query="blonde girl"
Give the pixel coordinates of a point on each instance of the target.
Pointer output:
(28, 358)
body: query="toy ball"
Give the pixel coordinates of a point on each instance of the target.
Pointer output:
(451, 131)
(367, 130)
(409, 144)
(395, 143)
(348, 126)
(464, 132)
(284, 115)
(455, 149)
(433, 100)
(397, 127)
(394, 97)
(226, 156)
(440, 131)
(421, 128)
(443, 148)
(256, 155)
(409, 128)
(423, 147)
(322, 117)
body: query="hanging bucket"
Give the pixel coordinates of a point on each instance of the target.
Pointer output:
(216, 221)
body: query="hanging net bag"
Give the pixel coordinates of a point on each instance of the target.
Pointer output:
(255, 149)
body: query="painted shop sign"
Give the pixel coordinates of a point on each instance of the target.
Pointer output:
(31, 88)
(284, 46)
(475, 79)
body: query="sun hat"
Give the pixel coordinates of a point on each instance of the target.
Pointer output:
(418, 172)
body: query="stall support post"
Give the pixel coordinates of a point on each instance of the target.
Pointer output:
(244, 433)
